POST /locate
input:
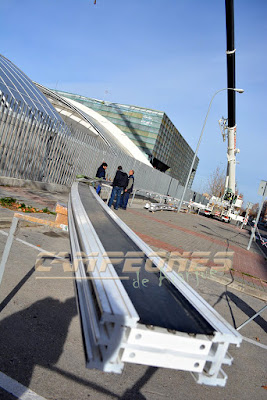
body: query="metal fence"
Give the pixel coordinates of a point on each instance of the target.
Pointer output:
(34, 146)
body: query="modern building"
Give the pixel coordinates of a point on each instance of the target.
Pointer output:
(151, 131)
(45, 137)
(52, 137)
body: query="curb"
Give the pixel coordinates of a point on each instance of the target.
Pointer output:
(259, 294)
(52, 224)
(48, 187)
(230, 283)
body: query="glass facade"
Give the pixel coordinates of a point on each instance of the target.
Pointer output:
(173, 150)
(152, 131)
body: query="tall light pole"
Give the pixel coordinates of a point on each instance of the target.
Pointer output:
(199, 140)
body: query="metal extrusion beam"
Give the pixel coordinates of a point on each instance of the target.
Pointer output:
(161, 207)
(166, 325)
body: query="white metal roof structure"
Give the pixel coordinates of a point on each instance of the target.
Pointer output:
(15, 84)
(114, 133)
(96, 124)
(47, 137)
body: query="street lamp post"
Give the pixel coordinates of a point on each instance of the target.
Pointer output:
(199, 140)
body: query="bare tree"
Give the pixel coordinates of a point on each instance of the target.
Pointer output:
(216, 182)
(264, 212)
(254, 210)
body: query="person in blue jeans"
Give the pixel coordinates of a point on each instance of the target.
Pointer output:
(101, 174)
(127, 191)
(119, 184)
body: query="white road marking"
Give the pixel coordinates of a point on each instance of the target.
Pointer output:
(17, 389)
(23, 241)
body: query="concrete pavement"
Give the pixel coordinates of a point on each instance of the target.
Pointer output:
(172, 232)
(191, 233)
(40, 341)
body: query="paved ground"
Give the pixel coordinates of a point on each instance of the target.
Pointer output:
(190, 234)
(40, 340)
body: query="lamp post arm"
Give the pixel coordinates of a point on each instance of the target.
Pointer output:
(199, 140)
(198, 144)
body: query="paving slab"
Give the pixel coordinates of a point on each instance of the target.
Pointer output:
(40, 338)
(191, 233)
(41, 345)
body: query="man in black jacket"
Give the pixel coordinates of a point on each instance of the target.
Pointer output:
(101, 174)
(119, 184)
(127, 191)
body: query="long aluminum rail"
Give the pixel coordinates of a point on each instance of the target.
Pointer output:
(133, 307)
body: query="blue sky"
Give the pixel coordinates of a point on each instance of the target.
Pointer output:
(168, 55)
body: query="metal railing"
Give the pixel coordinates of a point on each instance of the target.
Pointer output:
(36, 147)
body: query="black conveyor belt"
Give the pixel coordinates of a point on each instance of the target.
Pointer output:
(162, 306)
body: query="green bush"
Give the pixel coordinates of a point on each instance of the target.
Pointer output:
(7, 201)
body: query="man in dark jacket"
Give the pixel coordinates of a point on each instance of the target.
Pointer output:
(128, 190)
(119, 184)
(101, 174)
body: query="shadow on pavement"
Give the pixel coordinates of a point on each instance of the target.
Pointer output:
(243, 306)
(249, 311)
(14, 291)
(34, 336)
(134, 391)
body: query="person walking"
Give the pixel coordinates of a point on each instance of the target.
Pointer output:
(128, 190)
(119, 184)
(101, 174)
